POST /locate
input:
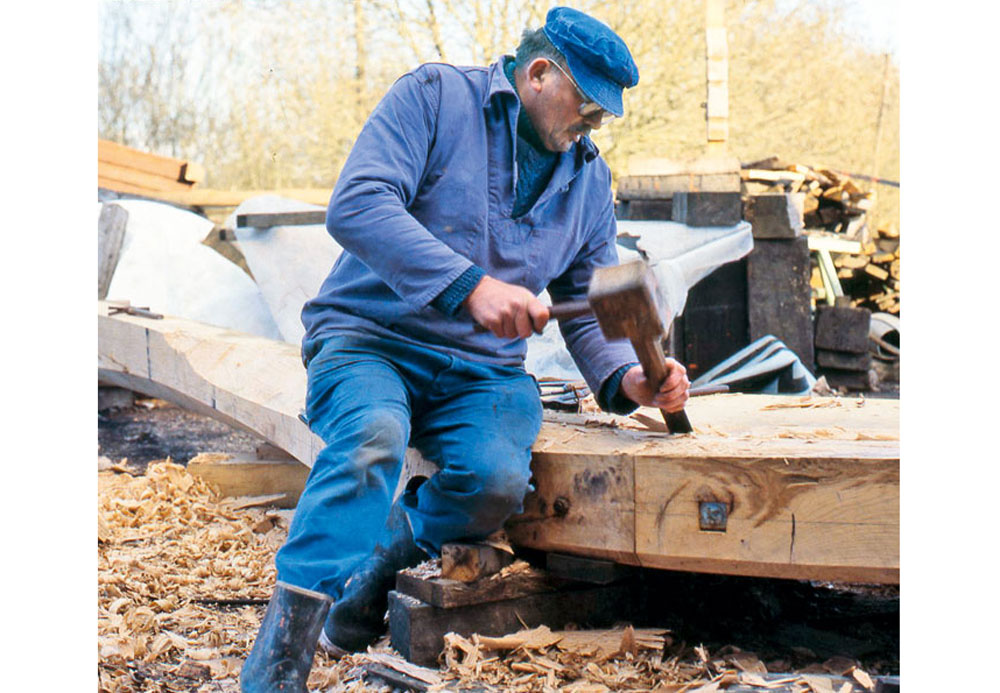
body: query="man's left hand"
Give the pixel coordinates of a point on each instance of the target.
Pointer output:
(672, 394)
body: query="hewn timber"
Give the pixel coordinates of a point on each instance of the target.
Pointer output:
(767, 485)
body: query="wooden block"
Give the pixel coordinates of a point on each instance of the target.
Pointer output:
(717, 129)
(114, 398)
(851, 261)
(111, 225)
(851, 380)
(717, 70)
(774, 176)
(707, 208)
(718, 100)
(237, 476)
(663, 187)
(449, 594)
(876, 271)
(641, 210)
(716, 46)
(843, 360)
(775, 215)
(267, 220)
(843, 329)
(470, 562)
(779, 296)
(417, 628)
(192, 172)
(715, 324)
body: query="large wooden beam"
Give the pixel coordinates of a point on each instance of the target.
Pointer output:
(252, 383)
(767, 486)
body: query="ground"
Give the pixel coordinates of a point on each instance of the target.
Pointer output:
(184, 577)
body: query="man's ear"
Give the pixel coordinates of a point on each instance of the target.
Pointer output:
(535, 73)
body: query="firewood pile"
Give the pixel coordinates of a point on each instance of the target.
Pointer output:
(836, 206)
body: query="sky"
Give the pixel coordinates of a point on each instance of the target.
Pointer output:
(877, 21)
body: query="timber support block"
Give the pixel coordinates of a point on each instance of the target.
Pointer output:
(417, 629)
(239, 476)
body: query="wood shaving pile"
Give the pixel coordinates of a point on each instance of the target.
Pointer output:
(617, 660)
(180, 581)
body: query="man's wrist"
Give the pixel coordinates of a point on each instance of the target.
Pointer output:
(612, 397)
(450, 300)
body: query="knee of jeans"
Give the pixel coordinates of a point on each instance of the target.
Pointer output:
(506, 488)
(377, 437)
(500, 490)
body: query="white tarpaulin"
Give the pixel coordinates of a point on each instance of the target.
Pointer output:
(288, 262)
(682, 255)
(164, 265)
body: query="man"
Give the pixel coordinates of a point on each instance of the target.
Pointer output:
(468, 192)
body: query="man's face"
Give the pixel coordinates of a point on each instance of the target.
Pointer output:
(555, 114)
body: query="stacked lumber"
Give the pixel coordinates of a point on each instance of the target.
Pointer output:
(833, 202)
(871, 277)
(128, 170)
(835, 205)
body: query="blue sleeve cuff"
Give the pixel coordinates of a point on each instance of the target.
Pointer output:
(450, 300)
(611, 399)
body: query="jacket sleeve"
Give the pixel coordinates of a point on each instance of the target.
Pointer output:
(368, 213)
(597, 358)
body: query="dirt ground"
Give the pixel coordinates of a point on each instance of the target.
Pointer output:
(179, 606)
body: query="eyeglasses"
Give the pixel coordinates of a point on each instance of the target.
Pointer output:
(588, 109)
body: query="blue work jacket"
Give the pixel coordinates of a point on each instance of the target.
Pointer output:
(427, 192)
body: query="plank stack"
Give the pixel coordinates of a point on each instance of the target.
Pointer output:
(833, 203)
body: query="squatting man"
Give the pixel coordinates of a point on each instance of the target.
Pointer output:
(469, 191)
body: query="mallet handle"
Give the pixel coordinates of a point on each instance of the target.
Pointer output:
(654, 367)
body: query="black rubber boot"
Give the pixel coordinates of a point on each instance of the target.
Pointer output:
(283, 653)
(357, 619)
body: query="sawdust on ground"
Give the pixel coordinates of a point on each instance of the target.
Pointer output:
(184, 577)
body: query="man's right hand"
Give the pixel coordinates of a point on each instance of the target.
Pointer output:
(505, 309)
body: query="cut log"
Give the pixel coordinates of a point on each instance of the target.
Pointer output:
(851, 261)
(876, 271)
(471, 562)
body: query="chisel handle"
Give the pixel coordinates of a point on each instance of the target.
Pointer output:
(654, 367)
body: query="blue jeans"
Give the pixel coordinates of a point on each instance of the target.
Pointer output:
(368, 398)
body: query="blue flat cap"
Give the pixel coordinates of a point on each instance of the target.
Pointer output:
(598, 58)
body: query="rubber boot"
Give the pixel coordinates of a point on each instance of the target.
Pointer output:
(357, 619)
(283, 653)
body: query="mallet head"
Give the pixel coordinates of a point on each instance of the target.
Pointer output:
(626, 301)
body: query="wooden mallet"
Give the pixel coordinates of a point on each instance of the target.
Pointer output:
(625, 300)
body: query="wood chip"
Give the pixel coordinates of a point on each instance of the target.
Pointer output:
(864, 679)
(818, 684)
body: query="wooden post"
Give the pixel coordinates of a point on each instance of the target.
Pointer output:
(110, 235)
(717, 79)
